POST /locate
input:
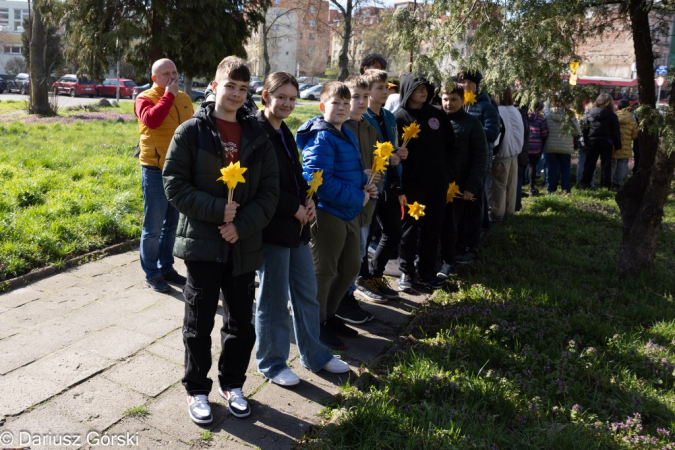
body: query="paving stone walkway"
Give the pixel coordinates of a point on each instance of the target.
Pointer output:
(79, 349)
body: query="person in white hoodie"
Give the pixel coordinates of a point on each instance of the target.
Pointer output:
(502, 193)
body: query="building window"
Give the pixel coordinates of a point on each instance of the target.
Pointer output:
(312, 23)
(13, 50)
(311, 37)
(300, 35)
(276, 2)
(19, 15)
(287, 53)
(275, 14)
(4, 19)
(310, 50)
(276, 27)
(312, 10)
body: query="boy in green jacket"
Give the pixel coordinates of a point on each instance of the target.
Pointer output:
(221, 243)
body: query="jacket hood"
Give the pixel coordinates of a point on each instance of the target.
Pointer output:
(410, 82)
(313, 126)
(600, 113)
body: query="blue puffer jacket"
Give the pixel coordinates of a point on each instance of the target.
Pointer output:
(392, 129)
(488, 115)
(337, 154)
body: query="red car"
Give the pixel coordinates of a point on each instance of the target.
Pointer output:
(73, 86)
(109, 88)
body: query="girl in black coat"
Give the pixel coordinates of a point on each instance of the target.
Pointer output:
(602, 138)
(288, 268)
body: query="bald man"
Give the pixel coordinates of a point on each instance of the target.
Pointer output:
(159, 110)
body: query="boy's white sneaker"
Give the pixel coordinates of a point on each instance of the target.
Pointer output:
(336, 365)
(199, 409)
(285, 378)
(236, 402)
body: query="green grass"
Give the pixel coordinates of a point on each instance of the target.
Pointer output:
(65, 190)
(8, 106)
(540, 346)
(137, 411)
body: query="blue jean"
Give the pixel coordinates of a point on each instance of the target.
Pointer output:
(363, 246)
(160, 221)
(287, 272)
(619, 171)
(558, 168)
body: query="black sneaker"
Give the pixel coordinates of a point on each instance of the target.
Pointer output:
(350, 311)
(237, 404)
(468, 257)
(175, 278)
(369, 290)
(444, 272)
(405, 282)
(329, 338)
(158, 284)
(340, 328)
(383, 286)
(432, 283)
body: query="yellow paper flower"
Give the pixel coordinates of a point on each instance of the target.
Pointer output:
(379, 164)
(416, 210)
(384, 150)
(453, 193)
(469, 97)
(232, 174)
(411, 132)
(317, 180)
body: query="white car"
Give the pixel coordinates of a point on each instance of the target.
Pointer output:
(311, 93)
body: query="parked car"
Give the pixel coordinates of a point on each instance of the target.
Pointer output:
(20, 84)
(109, 88)
(259, 90)
(3, 85)
(254, 85)
(138, 89)
(72, 85)
(311, 93)
(197, 96)
(302, 87)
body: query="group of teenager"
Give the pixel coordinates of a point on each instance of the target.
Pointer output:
(310, 251)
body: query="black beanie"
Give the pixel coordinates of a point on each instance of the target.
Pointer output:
(471, 75)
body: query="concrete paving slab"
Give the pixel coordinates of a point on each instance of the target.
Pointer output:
(9, 328)
(32, 344)
(122, 259)
(148, 437)
(299, 401)
(393, 312)
(114, 342)
(107, 283)
(151, 322)
(134, 299)
(90, 269)
(173, 340)
(20, 296)
(365, 347)
(146, 373)
(47, 428)
(34, 313)
(170, 354)
(56, 283)
(68, 366)
(22, 391)
(97, 316)
(98, 403)
(73, 298)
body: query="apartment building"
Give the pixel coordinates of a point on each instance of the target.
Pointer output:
(12, 14)
(365, 19)
(297, 37)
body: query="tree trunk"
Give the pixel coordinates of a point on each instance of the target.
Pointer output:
(642, 198)
(343, 60)
(39, 89)
(266, 52)
(156, 26)
(187, 85)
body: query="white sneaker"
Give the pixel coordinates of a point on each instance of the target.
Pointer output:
(236, 402)
(336, 365)
(285, 378)
(199, 409)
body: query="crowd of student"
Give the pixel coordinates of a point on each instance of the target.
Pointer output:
(466, 166)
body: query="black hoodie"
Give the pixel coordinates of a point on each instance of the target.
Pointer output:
(431, 153)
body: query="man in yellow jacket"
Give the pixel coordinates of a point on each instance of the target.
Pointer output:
(160, 110)
(629, 132)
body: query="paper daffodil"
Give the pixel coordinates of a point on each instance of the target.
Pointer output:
(379, 164)
(469, 97)
(453, 193)
(232, 174)
(416, 210)
(384, 150)
(314, 183)
(410, 132)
